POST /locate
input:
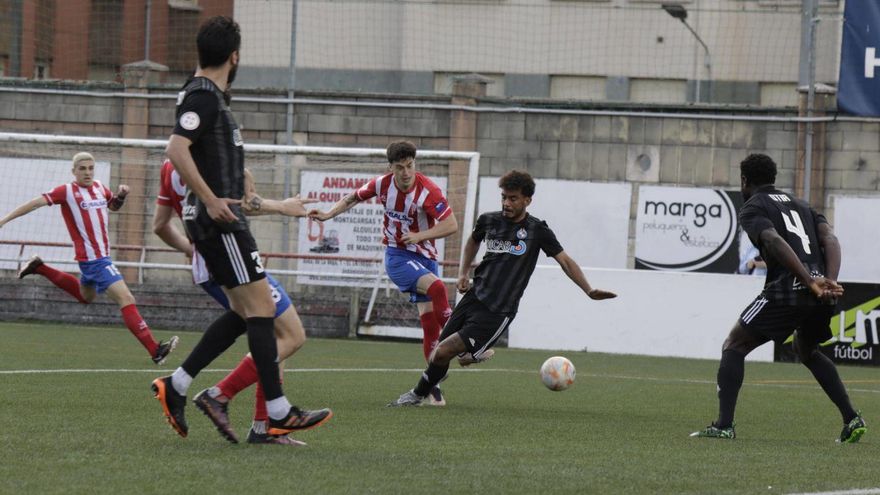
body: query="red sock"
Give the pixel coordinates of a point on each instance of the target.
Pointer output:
(440, 301)
(260, 411)
(431, 330)
(138, 327)
(243, 376)
(64, 281)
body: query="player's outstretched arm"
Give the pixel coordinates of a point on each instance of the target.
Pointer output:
(340, 207)
(464, 265)
(255, 205)
(24, 209)
(574, 272)
(164, 228)
(178, 152)
(443, 228)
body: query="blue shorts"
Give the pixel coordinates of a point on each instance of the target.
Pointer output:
(405, 268)
(100, 273)
(279, 295)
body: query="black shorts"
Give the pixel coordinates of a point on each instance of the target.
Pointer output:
(232, 258)
(478, 327)
(773, 321)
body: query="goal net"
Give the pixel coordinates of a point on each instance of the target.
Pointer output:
(334, 267)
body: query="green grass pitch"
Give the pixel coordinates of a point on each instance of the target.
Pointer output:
(71, 424)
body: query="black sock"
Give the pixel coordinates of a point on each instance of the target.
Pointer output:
(264, 350)
(219, 336)
(730, 379)
(431, 378)
(825, 372)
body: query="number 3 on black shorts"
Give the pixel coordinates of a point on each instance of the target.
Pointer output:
(255, 255)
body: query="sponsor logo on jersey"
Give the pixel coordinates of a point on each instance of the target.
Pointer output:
(397, 215)
(190, 121)
(505, 246)
(93, 203)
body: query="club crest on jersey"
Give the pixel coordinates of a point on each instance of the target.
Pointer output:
(505, 246)
(521, 234)
(190, 121)
(93, 203)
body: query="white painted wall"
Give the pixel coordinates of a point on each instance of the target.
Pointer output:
(655, 313)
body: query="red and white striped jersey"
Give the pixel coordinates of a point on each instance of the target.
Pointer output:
(172, 190)
(85, 212)
(414, 211)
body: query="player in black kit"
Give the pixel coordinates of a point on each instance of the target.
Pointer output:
(514, 239)
(800, 291)
(207, 150)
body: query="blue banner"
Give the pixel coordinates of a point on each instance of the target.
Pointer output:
(859, 85)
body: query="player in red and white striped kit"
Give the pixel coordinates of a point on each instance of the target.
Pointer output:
(416, 213)
(84, 206)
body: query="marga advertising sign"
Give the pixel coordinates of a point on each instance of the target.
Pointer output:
(687, 229)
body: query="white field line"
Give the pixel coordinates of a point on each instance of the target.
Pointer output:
(860, 491)
(419, 370)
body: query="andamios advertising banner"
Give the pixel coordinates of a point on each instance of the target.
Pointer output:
(687, 229)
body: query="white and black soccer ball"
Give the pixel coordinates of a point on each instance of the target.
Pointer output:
(557, 373)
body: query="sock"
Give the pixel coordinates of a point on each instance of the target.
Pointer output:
(440, 302)
(431, 378)
(260, 411)
(181, 380)
(261, 340)
(219, 336)
(825, 372)
(431, 333)
(138, 327)
(243, 376)
(64, 281)
(278, 408)
(730, 379)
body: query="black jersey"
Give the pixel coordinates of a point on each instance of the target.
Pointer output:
(797, 223)
(511, 255)
(217, 148)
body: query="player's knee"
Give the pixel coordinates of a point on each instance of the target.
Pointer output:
(804, 350)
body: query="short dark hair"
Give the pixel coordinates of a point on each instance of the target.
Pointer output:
(400, 150)
(758, 169)
(517, 180)
(218, 37)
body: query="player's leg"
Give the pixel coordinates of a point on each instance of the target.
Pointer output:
(806, 343)
(408, 271)
(430, 285)
(64, 281)
(119, 292)
(747, 334)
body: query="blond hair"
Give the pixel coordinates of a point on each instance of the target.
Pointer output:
(81, 157)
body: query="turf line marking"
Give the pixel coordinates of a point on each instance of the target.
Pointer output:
(419, 370)
(860, 491)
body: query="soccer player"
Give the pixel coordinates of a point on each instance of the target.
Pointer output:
(84, 204)
(416, 213)
(803, 261)
(289, 332)
(207, 150)
(514, 239)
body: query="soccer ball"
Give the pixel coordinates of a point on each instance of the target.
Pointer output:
(557, 373)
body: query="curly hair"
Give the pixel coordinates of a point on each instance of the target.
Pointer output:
(400, 150)
(517, 180)
(758, 169)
